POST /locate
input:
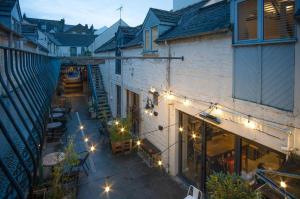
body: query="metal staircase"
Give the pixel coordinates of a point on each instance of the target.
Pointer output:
(99, 94)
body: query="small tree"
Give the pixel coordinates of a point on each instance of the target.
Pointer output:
(227, 186)
(115, 130)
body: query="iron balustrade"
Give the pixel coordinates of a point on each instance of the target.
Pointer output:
(27, 83)
(93, 88)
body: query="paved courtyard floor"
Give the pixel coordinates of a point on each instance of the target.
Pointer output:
(128, 176)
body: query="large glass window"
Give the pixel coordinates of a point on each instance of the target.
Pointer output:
(220, 150)
(256, 156)
(278, 19)
(190, 145)
(247, 20)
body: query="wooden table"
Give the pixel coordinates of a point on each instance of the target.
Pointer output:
(56, 115)
(54, 125)
(53, 159)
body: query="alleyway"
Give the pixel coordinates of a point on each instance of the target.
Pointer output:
(128, 176)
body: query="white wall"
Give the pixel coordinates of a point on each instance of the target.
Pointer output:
(206, 74)
(64, 51)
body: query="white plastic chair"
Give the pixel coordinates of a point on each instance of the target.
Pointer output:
(195, 194)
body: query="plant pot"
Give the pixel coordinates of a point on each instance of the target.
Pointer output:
(120, 147)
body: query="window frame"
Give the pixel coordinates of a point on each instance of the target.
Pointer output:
(149, 29)
(260, 27)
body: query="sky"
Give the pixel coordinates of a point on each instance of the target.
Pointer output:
(97, 12)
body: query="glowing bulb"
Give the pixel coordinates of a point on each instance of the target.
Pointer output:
(152, 89)
(194, 135)
(122, 130)
(159, 163)
(81, 127)
(218, 111)
(169, 96)
(250, 124)
(151, 113)
(138, 143)
(86, 139)
(93, 148)
(283, 184)
(186, 102)
(106, 189)
(181, 129)
(146, 111)
(117, 122)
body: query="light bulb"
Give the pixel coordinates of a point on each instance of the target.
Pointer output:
(186, 102)
(250, 124)
(217, 111)
(117, 122)
(122, 130)
(106, 189)
(151, 113)
(152, 89)
(194, 135)
(181, 129)
(138, 143)
(169, 96)
(283, 184)
(159, 162)
(146, 111)
(93, 148)
(86, 139)
(81, 127)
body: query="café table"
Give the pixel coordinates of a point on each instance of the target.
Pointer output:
(52, 159)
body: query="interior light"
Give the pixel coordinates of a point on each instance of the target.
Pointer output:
(283, 184)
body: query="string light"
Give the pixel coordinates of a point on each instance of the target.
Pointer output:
(152, 89)
(194, 136)
(186, 102)
(169, 96)
(86, 139)
(159, 163)
(81, 127)
(180, 129)
(151, 113)
(106, 188)
(283, 184)
(250, 124)
(217, 111)
(122, 130)
(117, 122)
(92, 148)
(138, 143)
(146, 111)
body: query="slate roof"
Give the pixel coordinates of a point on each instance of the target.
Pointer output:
(7, 5)
(108, 46)
(53, 39)
(80, 29)
(130, 31)
(74, 39)
(137, 41)
(166, 16)
(50, 24)
(195, 22)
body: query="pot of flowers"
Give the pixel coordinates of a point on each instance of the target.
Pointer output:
(120, 136)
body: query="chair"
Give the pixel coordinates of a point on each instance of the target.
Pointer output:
(82, 161)
(194, 194)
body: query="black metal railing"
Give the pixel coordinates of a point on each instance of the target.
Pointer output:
(27, 83)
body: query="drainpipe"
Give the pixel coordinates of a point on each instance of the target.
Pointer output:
(169, 105)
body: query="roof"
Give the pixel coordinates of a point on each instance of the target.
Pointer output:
(74, 39)
(137, 41)
(130, 31)
(53, 39)
(29, 28)
(7, 5)
(166, 16)
(108, 46)
(67, 27)
(195, 22)
(50, 24)
(79, 29)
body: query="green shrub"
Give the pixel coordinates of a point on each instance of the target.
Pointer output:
(227, 186)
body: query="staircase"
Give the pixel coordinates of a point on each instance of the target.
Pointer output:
(103, 110)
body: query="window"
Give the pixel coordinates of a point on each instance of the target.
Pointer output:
(147, 40)
(264, 20)
(278, 19)
(247, 20)
(118, 88)
(118, 69)
(73, 51)
(154, 36)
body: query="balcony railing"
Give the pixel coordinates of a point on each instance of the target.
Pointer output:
(27, 83)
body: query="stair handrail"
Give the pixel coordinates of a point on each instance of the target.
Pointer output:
(93, 87)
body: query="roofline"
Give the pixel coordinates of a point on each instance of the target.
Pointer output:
(7, 29)
(223, 30)
(102, 51)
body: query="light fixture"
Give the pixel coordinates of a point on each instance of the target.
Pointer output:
(86, 139)
(250, 124)
(186, 102)
(159, 162)
(146, 111)
(283, 184)
(151, 113)
(122, 129)
(152, 90)
(106, 189)
(81, 127)
(169, 96)
(180, 129)
(117, 122)
(217, 110)
(138, 143)
(194, 136)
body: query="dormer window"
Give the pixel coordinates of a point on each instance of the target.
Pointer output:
(150, 37)
(264, 20)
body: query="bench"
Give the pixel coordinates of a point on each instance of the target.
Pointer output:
(149, 153)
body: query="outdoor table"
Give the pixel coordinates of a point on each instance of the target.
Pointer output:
(58, 110)
(56, 115)
(54, 125)
(53, 159)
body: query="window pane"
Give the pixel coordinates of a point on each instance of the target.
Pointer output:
(279, 19)
(154, 37)
(147, 40)
(247, 20)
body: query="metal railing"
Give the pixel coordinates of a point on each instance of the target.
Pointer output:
(27, 83)
(93, 88)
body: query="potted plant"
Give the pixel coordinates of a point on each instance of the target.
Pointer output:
(227, 186)
(120, 135)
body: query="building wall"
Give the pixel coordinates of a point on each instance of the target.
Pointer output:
(64, 51)
(206, 74)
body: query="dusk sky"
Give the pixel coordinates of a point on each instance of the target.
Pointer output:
(97, 12)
